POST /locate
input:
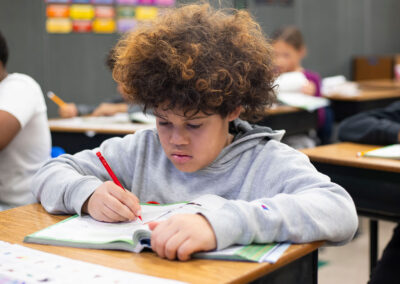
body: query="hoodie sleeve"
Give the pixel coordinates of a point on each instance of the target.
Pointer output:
(300, 205)
(381, 126)
(63, 184)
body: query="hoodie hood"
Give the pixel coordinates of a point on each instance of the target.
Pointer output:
(246, 137)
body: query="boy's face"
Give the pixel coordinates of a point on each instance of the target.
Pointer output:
(287, 58)
(192, 142)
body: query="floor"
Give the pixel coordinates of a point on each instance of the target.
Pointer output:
(349, 264)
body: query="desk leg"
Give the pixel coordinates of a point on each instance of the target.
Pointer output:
(373, 244)
(315, 267)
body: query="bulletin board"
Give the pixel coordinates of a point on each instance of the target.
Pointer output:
(101, 16)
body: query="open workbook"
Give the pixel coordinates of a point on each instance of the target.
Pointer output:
(387, 152)
(85, 232)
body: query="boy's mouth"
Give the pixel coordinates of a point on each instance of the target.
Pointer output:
(180, 158)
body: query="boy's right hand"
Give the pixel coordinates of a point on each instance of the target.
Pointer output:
(110, 203)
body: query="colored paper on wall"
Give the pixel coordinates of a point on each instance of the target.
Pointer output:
(126, 11)
(57, 11)
(104, 12)
(127, 2)
(58, 25)
(104, 2)
(81, 12)
(124, 25)
(82, 26)
(146, 13)
(58, 1)
(164, 3)
(81, 1)
(145, 2)
(103, 25)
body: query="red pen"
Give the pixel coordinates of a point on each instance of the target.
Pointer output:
(112, 175)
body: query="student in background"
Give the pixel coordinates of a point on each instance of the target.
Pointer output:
(380, 126)
(199, 69)
(113, 106)
(289, 51)
(25, 142)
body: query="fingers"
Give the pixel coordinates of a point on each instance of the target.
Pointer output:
(127, 198)
(111, 215)
(124, 213)
(160, 236)
(186, 249)
(153, 225)
(111, 203)
(182, 235)
(68, 110)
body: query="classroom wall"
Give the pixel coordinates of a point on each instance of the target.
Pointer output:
(73, 65)
(335, 31)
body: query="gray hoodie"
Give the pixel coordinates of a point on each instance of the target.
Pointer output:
(274, 192)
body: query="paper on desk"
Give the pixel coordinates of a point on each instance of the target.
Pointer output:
(290, 82)
(20, 264)
(338, 85)
(303, 101)
(119, 121)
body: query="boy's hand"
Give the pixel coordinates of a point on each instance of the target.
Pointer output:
(181, 235)
(110, 203)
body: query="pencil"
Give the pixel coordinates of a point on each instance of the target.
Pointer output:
(111, 173)
(360, 154)
(55, 99)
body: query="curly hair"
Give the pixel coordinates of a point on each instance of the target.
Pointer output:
(196, 58)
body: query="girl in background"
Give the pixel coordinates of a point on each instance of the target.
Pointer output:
(290, 49)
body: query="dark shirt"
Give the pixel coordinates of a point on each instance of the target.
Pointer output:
(380, 126)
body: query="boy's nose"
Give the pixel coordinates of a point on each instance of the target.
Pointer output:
(178, 137)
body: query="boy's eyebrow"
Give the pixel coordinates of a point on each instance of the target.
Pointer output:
(196, 117)
(185, 118)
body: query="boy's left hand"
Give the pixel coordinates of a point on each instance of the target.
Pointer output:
(181, 235)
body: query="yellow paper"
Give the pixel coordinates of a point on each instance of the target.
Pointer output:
(146, 13)
(58, 25)
(103, 25)
(81, 12)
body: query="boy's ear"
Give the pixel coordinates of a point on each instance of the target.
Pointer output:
(235, 114)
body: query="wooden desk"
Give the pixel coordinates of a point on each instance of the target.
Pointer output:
(379, 84)
(297, 265)
(77, 134)
(292, 119)
(369, 98)
(373, 183)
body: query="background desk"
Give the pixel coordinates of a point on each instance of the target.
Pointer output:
(297, 265)
(292, 119)
(75, 135)
(369, 98)
(379, 84)
(374, 184)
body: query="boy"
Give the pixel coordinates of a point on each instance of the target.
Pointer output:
(379, 126)
(199, 69)
(25, 142)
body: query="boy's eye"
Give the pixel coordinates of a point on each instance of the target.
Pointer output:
(194, 126)
(163, 123)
